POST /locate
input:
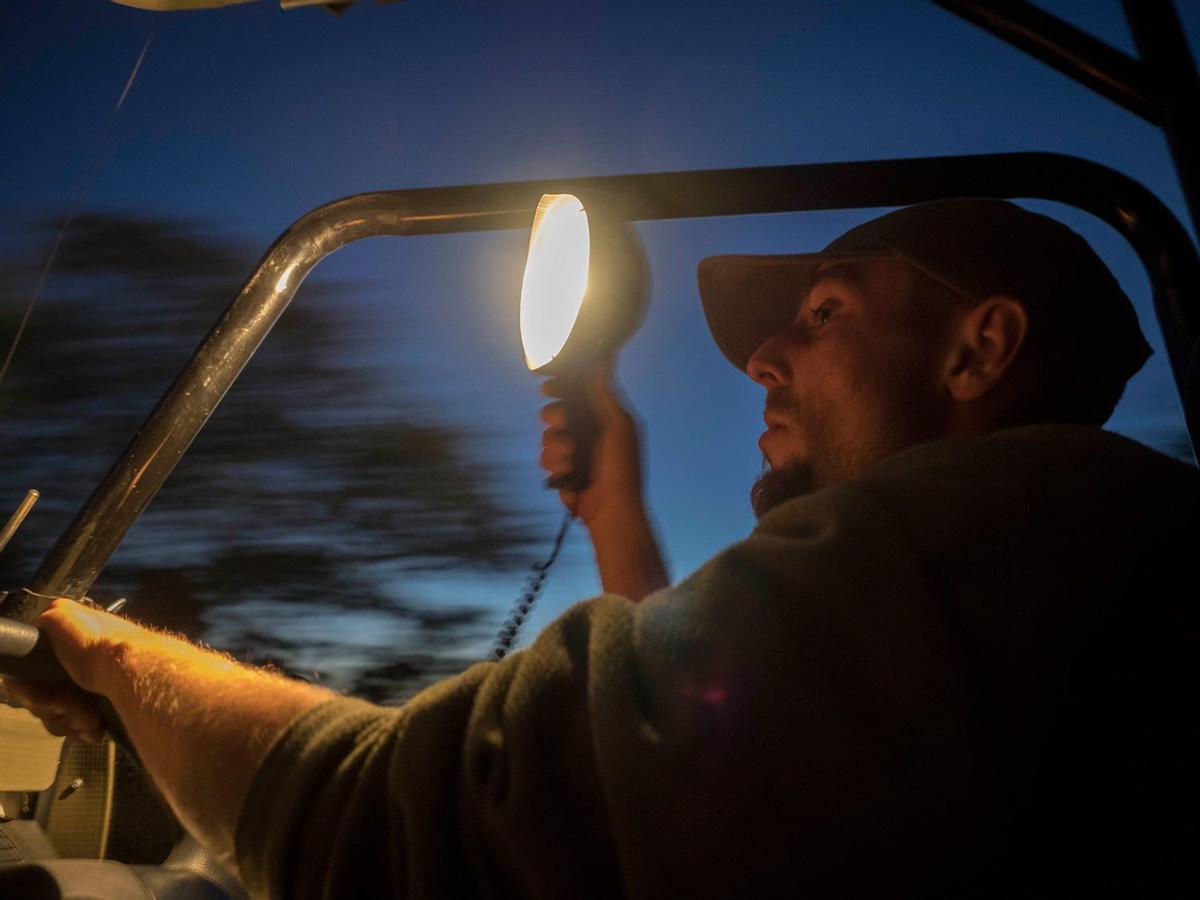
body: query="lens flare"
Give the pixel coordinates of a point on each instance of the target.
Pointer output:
(556, 276)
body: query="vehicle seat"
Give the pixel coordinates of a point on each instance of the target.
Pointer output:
(31, 869)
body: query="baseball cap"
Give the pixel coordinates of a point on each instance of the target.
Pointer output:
(978, 247)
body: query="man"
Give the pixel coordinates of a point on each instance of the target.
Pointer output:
(949, 661)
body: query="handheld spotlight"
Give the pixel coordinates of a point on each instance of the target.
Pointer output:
(584, 294)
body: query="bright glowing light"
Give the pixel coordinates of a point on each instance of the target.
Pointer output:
(556, 275)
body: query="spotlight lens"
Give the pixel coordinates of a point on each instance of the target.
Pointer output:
(556, 275)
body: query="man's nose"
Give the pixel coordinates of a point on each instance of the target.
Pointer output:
(767, 365)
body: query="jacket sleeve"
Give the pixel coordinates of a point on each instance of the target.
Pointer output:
(746, 732)
(482, 785)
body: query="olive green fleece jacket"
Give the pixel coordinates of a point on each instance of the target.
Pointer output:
(962, 674)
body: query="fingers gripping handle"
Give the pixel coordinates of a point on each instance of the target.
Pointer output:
(23, 654)
(26, 655)
(583, 427)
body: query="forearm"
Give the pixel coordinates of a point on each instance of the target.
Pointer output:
(627, 554)
(201, 724)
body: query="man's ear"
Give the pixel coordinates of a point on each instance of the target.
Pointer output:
(984, 345)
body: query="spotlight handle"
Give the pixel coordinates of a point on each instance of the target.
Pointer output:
(583, 427)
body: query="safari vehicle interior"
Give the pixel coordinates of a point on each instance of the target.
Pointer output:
(80, 819)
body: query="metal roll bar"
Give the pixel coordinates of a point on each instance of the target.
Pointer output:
(75, 561)
(1160, 85)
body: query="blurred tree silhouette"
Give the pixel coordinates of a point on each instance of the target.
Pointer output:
(316, 485)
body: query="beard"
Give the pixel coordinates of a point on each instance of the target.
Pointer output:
(776, 486)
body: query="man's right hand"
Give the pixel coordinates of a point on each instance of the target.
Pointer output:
(611, 505)
(615, 489)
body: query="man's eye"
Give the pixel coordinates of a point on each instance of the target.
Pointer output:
(823, 313)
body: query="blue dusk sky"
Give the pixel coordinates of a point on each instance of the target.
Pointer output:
(250, 116)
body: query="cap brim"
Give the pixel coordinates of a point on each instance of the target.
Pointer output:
(747, 299)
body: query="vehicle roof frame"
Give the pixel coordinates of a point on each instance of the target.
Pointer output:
(1161, 85)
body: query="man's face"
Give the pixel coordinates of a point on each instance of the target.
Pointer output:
(857, 377)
